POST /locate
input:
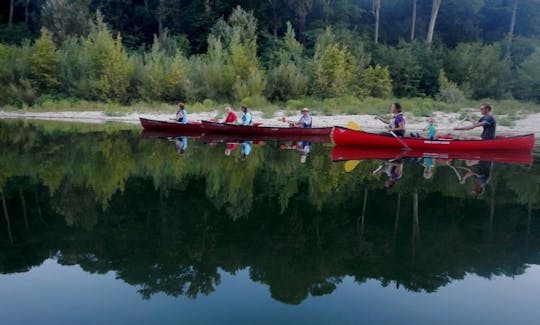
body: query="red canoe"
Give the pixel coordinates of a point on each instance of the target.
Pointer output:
(347, 137)
(359, 153)
(171, 126)
(216, 127)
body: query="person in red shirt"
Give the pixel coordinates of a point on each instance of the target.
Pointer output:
(231, 116)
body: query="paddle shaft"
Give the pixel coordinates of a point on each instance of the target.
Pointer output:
(400, 141)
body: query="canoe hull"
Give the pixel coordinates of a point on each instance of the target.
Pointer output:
(223, 128)
(171, 127)
(347, 137)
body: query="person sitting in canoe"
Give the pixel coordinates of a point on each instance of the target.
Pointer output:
(231, 115)
(397, 123)
(487, 121)
(181, 114)
(304, 121)
(247, 119)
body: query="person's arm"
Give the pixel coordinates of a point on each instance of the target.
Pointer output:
(474, 124)
(179, 115)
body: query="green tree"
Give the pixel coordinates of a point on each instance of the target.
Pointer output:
(377, 82)
(287, 78)
(44, 64)
(527, 80)
(107, 63)
(480, 69)
(334, 67)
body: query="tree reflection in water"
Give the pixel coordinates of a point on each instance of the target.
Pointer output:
(110, 201)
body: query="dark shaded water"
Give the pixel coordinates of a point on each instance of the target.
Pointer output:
(105, 226)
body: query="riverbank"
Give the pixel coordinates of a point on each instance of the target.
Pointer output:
(445, 121)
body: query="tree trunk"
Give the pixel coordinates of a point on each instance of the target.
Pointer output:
(207, 7)
(360, 221)
(11, 5)
(6, 216)
(26, 8)
(376, 13)
(434, 12)
(512, 26)
(413, 20)
(25, 213)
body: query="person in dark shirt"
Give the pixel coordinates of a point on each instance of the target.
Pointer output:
(487, 121)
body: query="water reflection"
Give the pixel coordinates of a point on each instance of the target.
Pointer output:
(111, 201)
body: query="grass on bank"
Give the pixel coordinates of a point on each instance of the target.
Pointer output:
(350, 105)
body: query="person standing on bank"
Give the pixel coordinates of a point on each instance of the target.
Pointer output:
(247, 119)
(397, 123)
(181, 114)
(487, 121)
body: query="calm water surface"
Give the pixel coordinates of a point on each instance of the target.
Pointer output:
(101, 225)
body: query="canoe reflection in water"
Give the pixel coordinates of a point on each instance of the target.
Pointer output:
(246, 149)
(393, 168)
(302, 147)
(181, 144)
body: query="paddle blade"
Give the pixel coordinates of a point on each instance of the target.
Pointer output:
(350, 165)
(353, 126)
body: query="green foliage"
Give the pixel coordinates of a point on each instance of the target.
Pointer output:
(527, 84)
(287, 78)
(44, 64)
(334, 67)
(164, 78)
(107, 63)
(481, 69)
(376, 81)
(66, 19)
(448, 90)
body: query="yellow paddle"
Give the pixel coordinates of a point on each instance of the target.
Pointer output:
(351, 164)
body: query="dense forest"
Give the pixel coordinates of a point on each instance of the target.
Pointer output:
(257, 52)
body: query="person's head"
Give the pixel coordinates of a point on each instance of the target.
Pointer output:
(485, 108)
(396, 108)
(181, 105)
(305, 111)
(303, 158)
(431, 120)
(244, 108)
(228, 109)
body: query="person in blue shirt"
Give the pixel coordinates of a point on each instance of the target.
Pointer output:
(304, 121)
(247, 119)
(181, 114)
(487, 121)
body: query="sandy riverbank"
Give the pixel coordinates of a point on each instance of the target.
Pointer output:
(445, 121)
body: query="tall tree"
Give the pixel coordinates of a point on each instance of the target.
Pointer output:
(512, 26)
(11, 5)
(413, 20)
(376, 12)
(434, 12)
